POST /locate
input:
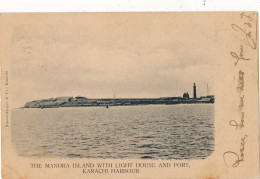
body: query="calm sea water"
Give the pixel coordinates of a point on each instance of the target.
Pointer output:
(183, 131)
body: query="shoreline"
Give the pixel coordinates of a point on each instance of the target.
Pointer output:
(105, 106)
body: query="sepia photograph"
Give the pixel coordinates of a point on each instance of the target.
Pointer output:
(129, 95)
(104, 91)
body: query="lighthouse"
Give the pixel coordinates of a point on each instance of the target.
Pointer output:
(194, 91)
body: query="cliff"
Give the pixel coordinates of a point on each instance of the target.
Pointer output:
(47, 103)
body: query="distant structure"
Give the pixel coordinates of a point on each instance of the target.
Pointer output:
(194, 91)
(207, 89)
(186, 95)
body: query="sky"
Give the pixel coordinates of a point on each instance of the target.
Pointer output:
(102, 55)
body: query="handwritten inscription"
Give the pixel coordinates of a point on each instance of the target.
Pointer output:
(236, 124)
(240, 56)
(246, 29)
(240, 89)
(234, 158)
(240, 84)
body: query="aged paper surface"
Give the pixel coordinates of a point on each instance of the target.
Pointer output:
(129, 95)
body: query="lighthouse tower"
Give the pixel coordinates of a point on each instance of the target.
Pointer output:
(194, 91)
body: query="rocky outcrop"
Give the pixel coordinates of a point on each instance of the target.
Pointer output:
(48, 103)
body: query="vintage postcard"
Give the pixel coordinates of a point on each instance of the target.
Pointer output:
(129, 95)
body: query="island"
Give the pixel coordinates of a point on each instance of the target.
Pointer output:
(81, 101)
